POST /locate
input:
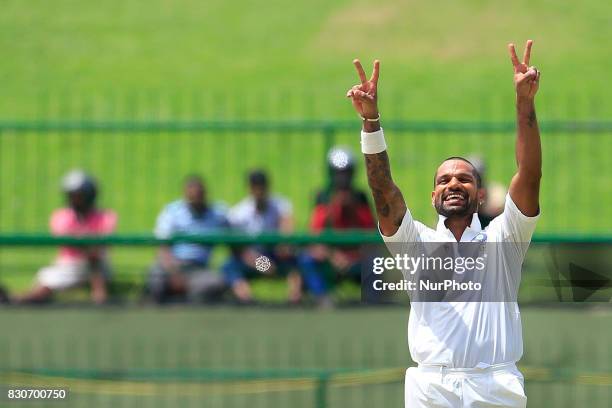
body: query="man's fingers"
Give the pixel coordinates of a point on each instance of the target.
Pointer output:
(349, 93)
(534, 69)
(375, 72)
(531, 74)
(357, 93)
(373, 90)
(527, 54)
(354, 88)
(360, 71)
(362, 95)
(513, 57)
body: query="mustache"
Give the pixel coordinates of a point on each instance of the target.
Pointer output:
(455, 191)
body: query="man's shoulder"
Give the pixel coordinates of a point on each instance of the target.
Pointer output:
(176, 205)
(280, 203)
(242, 206)
(62, 214)
(279, 199)
(408, 228)
(218, 209)
(423, 230)
(105, 213)
(61, 219)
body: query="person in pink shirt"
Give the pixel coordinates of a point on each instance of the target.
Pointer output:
(75, 266)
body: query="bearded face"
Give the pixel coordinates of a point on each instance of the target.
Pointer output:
(456, 191)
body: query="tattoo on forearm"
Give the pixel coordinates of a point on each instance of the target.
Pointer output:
(382, 207)
(377, 165)
(387, 196)
(532, 119)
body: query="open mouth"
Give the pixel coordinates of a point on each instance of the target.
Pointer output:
(455, 198)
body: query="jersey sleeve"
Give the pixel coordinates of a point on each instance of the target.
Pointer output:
(407, 232)
(109, 222)
(236, 215)
(222, 216)
(406, 241)
(512, 226)
(164, 227)
(59, 223)
(285, 209)
(318, 218)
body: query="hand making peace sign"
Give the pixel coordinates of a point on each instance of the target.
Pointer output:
(364, 96)
(526, 78)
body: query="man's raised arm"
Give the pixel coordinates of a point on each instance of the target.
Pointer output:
(390, 205)
(525, 185)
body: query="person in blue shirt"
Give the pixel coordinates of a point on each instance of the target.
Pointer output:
(182, 269)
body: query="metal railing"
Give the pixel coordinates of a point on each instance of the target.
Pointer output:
(140, 164)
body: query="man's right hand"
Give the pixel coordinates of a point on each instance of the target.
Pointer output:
(390, 205)
(364, 95)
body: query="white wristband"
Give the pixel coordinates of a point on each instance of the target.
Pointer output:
(372, 143)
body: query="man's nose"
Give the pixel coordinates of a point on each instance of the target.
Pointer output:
(454, 182)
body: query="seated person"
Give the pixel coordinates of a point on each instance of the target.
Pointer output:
(75, 266)
(339, 207)
(257, 213)
(182, 269)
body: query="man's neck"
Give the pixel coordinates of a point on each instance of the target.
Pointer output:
(83, 213)
(261, 206)
(198, 210)
(457, 225)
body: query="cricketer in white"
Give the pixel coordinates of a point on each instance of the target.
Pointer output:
(466, 351)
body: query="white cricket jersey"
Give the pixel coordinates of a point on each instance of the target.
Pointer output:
(470, 334)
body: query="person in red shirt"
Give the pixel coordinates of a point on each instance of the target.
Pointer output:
(340, 206)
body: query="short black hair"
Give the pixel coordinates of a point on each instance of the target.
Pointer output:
(258, 177)
(191, 179)
(474, 170)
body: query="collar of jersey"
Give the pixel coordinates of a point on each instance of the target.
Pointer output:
(470, 232)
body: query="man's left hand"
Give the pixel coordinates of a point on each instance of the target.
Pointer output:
(526, 78)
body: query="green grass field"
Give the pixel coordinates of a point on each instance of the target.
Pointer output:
(267, 61)
(158, 357)
(443, 58)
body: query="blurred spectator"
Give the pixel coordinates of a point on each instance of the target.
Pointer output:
(338, 207)
(75, 266)
(261, 212)
(182, 269)
(494, 194)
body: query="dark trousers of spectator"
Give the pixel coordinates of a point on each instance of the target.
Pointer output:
(320, 276)
(235, 268)
(202, 284)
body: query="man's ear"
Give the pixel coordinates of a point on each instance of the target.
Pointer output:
(482, 195)
(433, 200)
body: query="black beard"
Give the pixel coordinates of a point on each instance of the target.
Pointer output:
(466, 210)
(261, 205)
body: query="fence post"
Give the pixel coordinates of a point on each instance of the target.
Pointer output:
(321, 391)
(329, 139)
